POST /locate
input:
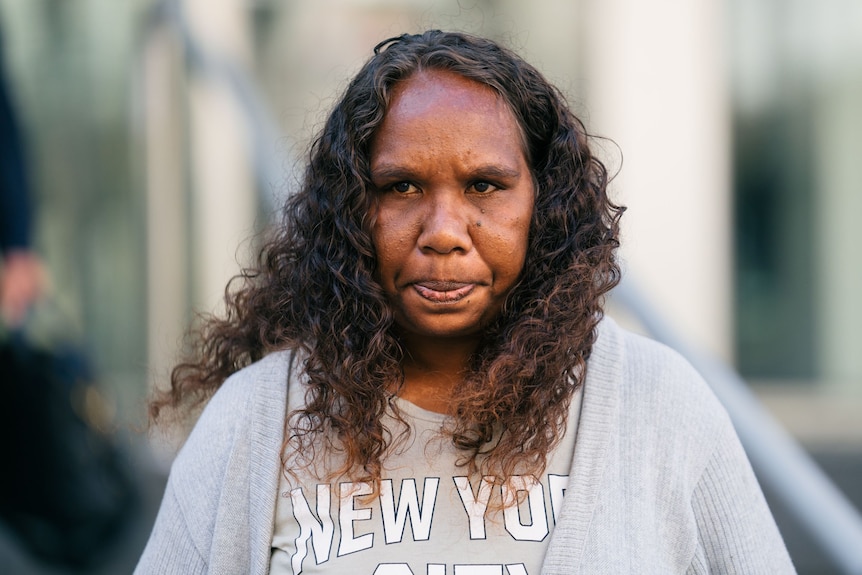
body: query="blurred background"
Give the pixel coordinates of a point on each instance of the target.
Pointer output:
(162, 136)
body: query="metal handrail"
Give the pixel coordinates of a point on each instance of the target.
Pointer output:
(782, 465)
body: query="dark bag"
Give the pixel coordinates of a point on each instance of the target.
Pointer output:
(64, 489)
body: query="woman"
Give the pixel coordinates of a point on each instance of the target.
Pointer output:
(418, 375)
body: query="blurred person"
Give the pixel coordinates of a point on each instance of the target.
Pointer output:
(65, 495)
(423, 338)
(21, 271)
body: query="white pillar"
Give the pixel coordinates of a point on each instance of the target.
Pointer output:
(656, 84)
(167, 275)
(839, 206)
(223, 195)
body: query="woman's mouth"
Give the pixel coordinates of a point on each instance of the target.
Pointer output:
(443, 291)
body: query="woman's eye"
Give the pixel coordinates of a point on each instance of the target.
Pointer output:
(402, 187)
(483, 187)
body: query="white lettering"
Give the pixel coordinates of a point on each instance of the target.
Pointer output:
(475, 506)
(408, 504)
(440, 569)
(320, 531)
(537, 529)
(557, 485)
(478, 570)
(347, 514)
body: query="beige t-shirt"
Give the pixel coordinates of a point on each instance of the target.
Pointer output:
(430, 518)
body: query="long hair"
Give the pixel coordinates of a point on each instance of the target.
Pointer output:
(313, 288)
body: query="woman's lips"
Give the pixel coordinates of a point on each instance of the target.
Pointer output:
(443, 291)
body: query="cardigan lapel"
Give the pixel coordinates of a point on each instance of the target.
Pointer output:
(598, 423)
(266, 437)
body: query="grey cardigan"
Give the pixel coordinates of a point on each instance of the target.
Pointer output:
(659, 481)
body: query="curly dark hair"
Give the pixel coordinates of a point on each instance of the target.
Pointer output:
(313, 288)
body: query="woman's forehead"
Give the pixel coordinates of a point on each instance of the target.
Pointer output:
(437, 91)
(426, 84)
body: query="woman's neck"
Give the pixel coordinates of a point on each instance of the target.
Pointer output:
(433, 367)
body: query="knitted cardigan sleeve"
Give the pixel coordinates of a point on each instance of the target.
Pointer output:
(216, 513)
(171, 548)
(736, 531)
(660, 483)
(183, 532)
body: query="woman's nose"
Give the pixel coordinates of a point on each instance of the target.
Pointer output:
(445, 226)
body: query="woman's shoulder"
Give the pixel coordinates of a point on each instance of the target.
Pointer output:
(234, 444)
(268, 375)
(642, 360)
(255, 392)
(657, 383)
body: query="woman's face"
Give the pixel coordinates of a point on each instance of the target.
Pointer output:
(454, 203)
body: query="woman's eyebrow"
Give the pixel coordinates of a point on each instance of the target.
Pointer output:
(496, 171)
(390, 171)
(394, 171)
